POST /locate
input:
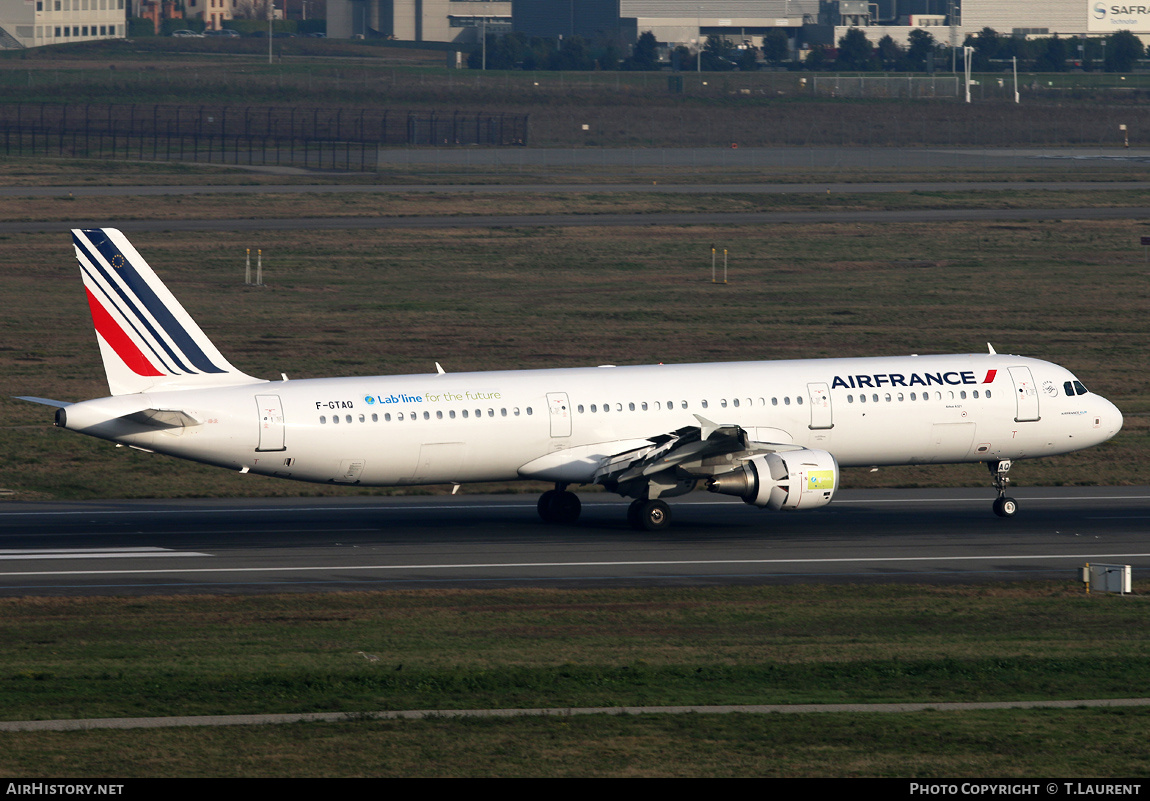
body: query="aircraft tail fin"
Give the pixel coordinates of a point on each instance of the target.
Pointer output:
(147, 340)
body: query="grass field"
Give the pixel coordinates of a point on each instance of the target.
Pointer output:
(357, 303)
(528, 648)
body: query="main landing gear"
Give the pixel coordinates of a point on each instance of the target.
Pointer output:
(1004, 506)
(559, 505)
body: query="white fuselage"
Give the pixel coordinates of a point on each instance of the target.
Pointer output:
(559, 425)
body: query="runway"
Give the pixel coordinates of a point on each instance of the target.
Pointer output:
(305, 545)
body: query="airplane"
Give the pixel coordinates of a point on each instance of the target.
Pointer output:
(773, 433)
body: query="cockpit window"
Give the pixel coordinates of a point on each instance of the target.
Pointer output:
(1072, 388)
(1081, 389)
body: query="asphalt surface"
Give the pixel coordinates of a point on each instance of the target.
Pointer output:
(919, 536)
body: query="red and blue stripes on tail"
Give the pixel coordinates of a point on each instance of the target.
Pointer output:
(147, 340)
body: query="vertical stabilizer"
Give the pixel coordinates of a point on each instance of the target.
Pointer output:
(147, 340)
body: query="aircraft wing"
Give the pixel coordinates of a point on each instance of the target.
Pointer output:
(691, 452)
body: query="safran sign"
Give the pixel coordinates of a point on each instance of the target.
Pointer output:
(1108, 17)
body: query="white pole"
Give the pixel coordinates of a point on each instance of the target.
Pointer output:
(260, 267)
(248, 269)
(967, 53)
(713, 281)
(724, 265)
(1015, 62)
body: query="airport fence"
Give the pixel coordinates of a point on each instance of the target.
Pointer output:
(324, 138)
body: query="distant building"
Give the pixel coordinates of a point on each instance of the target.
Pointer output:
(34, 23)
(692, 22)
(417, 20)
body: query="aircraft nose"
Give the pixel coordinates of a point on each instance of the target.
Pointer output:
(1110, 418)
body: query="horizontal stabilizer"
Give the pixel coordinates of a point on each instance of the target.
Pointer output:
(44, 401)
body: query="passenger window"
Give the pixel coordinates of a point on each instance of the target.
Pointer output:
(787, 400)
(704, 403)
(323, 420)
(735, 403)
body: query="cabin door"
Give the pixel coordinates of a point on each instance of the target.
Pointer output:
(820, 397)
(1025, 393)
(271, 419)
(559, 410)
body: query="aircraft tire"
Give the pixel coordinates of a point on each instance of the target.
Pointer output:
(1006, 507)
(559, 506)
(565, 507)
(544, 506)
(649, 515)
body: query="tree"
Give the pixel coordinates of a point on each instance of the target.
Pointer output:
(1052, 57)
(920, 53)
(645, 53)
(855, 51)
(816, 58)
(890, 53)
(719, 54)
(748, 59)
(776, 47)
(986, 44)
(1122, 50)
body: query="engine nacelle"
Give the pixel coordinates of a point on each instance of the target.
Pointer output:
(802, 479)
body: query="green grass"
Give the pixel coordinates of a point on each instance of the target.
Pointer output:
(64, 658)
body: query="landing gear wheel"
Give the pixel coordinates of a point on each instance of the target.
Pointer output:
(544, 505)
(1005, 507)
(559, 506)
(649, 515)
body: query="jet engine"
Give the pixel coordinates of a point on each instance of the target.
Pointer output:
(802, 479)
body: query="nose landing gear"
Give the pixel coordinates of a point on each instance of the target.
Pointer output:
(1004, 506)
